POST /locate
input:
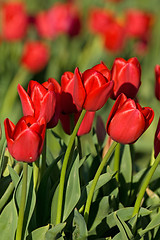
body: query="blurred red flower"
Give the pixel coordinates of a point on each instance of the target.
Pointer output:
(157, 84)
(35, 56)
(14, 21)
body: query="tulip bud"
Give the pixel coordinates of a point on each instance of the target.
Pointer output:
(25, 139)
(91, 89)
(126, 76)
(128, 120)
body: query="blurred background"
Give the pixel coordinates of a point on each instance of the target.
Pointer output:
(43, 39)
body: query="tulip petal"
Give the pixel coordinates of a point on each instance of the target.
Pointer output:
(26, 146)
(9, 128)
(86, 124)
(96, 99)
(79, 92)
(27, 104)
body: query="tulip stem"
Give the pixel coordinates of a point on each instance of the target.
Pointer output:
(64, 167)
(95, 180)
(144, 186)
(116, 160)
(22, 203)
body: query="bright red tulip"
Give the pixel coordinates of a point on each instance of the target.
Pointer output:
(126, 76)
(57, 90)
(128, 120)
(157, 140)
(91, 89)
(14, 21)
(25, 139)
(157, 85)
(69, 121)
(35, 56)
(38, 101)
(138, 23)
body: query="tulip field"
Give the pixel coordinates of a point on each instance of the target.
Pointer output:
(79, 120)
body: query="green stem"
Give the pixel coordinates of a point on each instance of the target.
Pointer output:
(144, 186)
(95, 180)
(64, 167)
(10, 188)
(22, 203)
(116, 160)
(11, 93)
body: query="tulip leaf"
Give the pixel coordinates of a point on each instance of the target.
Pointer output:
(14, 175)
(38, 234)
(30, 198)
(54, 206)
(73, 191)
(80, 229)
(8, 221)
(153, 224)
(125, 175)
(55, 232)
(2, 158)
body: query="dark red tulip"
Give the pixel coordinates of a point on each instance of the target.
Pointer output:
(38, 101)
(35, 56)
(126, 76)
(14, 21)
(25, 139)
(91, 89)
(157, 140)
(157, 84)
(128, 120)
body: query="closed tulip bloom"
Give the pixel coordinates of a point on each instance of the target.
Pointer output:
(91, 89)
(128, 120)
(35, 56)
(157, 140)
(157, 84)
(25, 139)
(38, 101)
(126, 76)
(14, 21)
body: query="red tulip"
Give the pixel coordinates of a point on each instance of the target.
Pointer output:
(25, 139)
(91, 89)
(69, 121)
(35, 56)
(38, 101)
(57, 90)
(126, 76)
(14, 21)
(128, 120)
(138, 23)
(157, 140)
(157, 85)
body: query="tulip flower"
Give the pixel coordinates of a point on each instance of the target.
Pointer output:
(25, 139)
(91, 89)
(39, 101)
(157, 85)
(126, 76)
(138, 23)
(128, 120)
(157, 140)
(35, 56)
(14, 21)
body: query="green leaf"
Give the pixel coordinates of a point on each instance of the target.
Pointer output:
(120, 226)
(125, 175)
(38, 234)
(125, 227)
(55, 232)
(73, 190)
(80, 232)
(8, 222)
(153, 224)
(2, 158)
(14, 175)
(54, 206)
(30, 199)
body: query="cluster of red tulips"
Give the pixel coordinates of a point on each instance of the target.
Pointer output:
(44, 104)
